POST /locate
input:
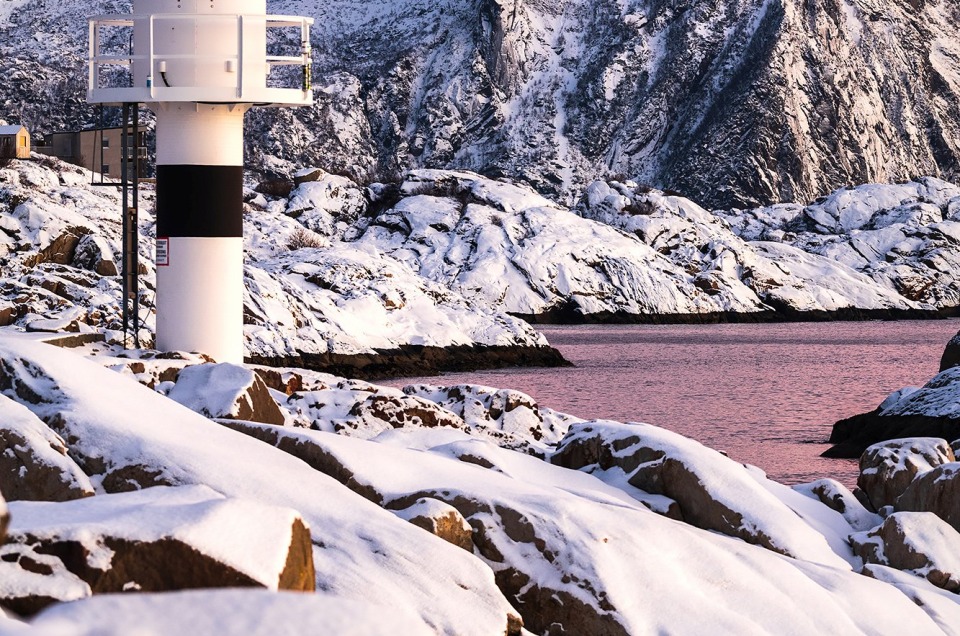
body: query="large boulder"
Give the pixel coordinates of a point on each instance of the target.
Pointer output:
(951, 353)
(228, 391)
(34, 463)
(937, 491)
(579, 556)
(93, 253)
(712, 491)
(887, 468)
(917, 542)
(163, 539)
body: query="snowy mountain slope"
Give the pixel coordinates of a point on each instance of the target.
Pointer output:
(733, 102)
(423, 272)
(59, 235)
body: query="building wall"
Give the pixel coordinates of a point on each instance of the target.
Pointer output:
(84, 149)
(15, 146)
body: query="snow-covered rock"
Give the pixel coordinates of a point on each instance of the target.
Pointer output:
(939, 604)
(336, 307)
(226, 390)
(838, 497)
(903, 237)
(440, 519)
(887, 468)
(31, 580)
(918, 542)
(160, 539)
(34, 464)
(505, 246)
(932, 410)
(712, 491)
(573, 551)
(361, 553)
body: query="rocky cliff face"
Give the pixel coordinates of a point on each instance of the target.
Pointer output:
(732, 102)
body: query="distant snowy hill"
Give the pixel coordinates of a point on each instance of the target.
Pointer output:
(735, 104)
(437, 269)
(308, 300)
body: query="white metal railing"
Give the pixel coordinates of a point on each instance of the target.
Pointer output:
(152, 92)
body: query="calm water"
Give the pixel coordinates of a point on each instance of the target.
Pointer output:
(766, 394)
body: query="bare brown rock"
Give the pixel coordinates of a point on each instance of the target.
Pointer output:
(937, 491)
(917, 542)
(440, 519)
(887, 468)
(61, 250)
(4, 519)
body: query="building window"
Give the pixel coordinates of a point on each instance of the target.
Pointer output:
(105, 169)
(105, 142)
(23, 142)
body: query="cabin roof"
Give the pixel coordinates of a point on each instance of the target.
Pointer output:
(10, 130)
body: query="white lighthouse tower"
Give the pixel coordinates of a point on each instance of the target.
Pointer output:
(199, 65)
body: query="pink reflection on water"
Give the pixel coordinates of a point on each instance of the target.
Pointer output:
(767, 394)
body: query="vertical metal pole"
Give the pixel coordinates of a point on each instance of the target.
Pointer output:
(125, 283)
(134, 224)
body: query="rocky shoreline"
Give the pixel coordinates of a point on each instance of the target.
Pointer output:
(416, 360)
(570, 314)
(927, 411)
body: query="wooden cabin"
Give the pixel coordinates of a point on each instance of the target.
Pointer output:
(14, 142)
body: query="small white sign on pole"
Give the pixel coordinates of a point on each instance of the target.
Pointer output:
(163, 251)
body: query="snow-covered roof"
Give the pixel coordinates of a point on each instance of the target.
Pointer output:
(10, 130)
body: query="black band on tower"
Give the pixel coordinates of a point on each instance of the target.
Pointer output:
(200, 201)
